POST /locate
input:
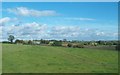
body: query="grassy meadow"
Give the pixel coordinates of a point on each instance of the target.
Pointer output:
(50, 59)
(0, 58)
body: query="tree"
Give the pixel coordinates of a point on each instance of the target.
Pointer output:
(30, 42)
(64, 40)
(11, 38)
(80, 46)
(69, 45)
(100, 42)
(17, 41)
(57, 43)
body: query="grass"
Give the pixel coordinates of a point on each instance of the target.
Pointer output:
(0, 58)
(48, 59)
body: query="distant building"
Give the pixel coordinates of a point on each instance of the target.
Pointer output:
(36, 42)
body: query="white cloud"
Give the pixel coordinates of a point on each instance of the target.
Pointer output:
(32, 30)
(31, 12)
(116, 34)
(37, 31)
(4, 20)
(65, 31)
(81, 19)
(100, 34)
(0, 31)
(42, 31)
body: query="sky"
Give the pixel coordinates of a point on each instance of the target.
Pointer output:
(59, 20)
(60, 0)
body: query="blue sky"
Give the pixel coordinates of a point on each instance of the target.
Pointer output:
(60, 1)
(59, 20)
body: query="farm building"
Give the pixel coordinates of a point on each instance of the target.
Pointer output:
(36, 42)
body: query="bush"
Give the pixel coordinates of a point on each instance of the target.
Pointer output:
(69, 45)
(80, 46)
(57, 43)
(7, 42)
(19, 41)
(30, 42)
(74, 46)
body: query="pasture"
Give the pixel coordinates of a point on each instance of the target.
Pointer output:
(0, 58)
(49, 59)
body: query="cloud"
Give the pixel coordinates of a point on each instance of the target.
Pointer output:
(33, 30)
(23, 11)
(65, 31)
(81, 19)
(4, 20)
(0, 31)
(36, 30)
(100, 34)
(115, 34)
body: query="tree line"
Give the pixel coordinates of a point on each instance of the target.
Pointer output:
(64, 42)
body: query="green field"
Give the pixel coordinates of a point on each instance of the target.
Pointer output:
(49, 59)
(0, 58)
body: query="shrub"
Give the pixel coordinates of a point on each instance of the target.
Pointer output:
(69, 45)
(19, 41)
(6, 42)
(80, 46)
(74, 46)
(29, 42)
(57, 43)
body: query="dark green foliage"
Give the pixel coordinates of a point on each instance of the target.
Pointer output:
(86, 43)
(19, 41)
(74, 46)
(64, 40)
(109, 43)
(7, 42)
(57, 43)
(11, 38)
(69, 45)
(44, 41)
(30, 42)
(101, 42)
(80, 46)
